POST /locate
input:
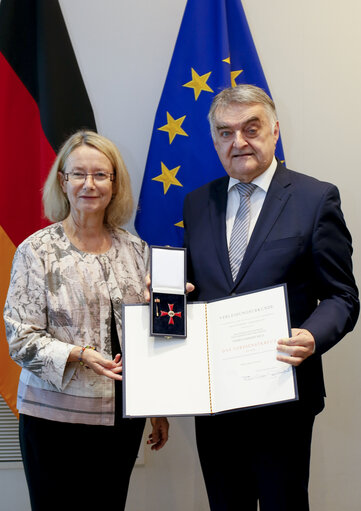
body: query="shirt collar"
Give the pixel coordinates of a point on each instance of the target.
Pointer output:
(263, 181)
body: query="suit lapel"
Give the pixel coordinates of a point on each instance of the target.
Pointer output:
(276, 199)
(217, 211)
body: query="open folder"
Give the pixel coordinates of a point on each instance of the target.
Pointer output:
(227, 362)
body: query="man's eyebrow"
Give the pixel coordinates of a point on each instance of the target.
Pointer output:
(255, 118)
(251, 119)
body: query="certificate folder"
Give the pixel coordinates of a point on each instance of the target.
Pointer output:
(227, 362)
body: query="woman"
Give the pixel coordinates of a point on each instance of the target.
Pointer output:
(63, 323)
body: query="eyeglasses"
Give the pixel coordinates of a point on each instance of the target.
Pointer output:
(76, 176)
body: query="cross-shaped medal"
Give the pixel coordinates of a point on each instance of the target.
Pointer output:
(171, 314)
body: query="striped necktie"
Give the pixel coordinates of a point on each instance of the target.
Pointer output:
(239, 235)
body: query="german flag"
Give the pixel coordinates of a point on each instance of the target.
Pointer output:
(43, 100)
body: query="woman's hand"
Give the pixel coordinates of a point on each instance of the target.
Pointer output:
(159, 434)
(96, 362)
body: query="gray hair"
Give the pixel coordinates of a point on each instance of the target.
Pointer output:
(55, 201)
(243, 94)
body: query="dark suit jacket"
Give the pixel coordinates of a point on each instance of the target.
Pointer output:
(300, 239)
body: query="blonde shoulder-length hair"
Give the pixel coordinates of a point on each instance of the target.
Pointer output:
(55, 201)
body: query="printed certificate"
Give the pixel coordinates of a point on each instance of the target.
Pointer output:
(227, 362)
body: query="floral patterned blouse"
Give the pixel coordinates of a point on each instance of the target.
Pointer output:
(60, 297)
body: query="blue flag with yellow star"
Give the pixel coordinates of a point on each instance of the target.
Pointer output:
(214, 50)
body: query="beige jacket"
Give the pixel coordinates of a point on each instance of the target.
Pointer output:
(60, 297)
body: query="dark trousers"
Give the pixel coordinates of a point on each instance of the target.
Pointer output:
(75, 466)
(257, 455)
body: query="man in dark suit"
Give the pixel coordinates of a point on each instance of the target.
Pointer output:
(295, 234)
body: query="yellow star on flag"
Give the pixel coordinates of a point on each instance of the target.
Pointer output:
(173, 127)
(234, 75)
(180, 224)
(198, 83)
(168, 177)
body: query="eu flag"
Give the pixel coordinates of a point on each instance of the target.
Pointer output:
(214, 50)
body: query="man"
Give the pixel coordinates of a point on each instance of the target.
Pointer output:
(295, 234)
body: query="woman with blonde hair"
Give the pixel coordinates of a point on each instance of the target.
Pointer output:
(63, 324)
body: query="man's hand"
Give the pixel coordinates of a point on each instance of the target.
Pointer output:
(294, 350)
(159, 434)
(189, 288)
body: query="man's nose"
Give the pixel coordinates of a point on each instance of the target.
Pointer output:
(239, 140)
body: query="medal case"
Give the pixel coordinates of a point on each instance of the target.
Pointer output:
(168, 312)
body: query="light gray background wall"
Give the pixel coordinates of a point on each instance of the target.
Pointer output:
(310, 52)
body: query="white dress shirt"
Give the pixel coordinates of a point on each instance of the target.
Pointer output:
(257, 199)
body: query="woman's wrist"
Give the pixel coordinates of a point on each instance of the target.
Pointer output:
(80, 358)
(77, 353)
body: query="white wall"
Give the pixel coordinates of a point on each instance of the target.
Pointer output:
(310, 55)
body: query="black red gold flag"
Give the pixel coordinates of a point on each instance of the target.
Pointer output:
(43, 100)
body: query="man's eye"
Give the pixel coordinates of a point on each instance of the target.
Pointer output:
(225, 134)
(252, 132)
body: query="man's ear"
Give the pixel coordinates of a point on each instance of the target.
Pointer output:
(276, 132)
